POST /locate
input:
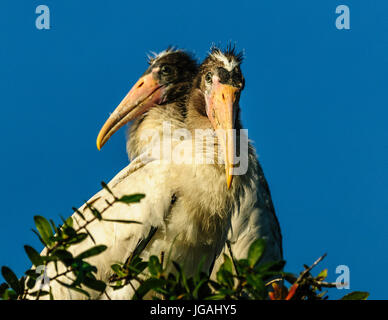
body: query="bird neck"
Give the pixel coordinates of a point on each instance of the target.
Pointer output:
(154, 122)
(196, 111)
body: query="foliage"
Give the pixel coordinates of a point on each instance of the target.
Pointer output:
(236, 279)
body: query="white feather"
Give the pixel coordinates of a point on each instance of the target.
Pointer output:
(229, 62)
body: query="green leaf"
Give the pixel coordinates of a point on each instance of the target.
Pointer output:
(31, 273)
(78, 280)
(154, 266)
(44, 229)
(22, 284)
(216, 297)
(138, 268)
(132, 198)
(77, 238)
(198, 287)
(257, 283)
(54, 226)
(356, 295)
(94, 284)
(228, 264)
(322, 275)
(91, 252)
(38, 235)
(3, 288)
(69, 222)
(34, 256)
(242, 266)
(9, 294)
(31, 283)
(11, 279)
(256, 251)
(49, 258)
(65, 256)
(118, 270)
(83, 267)
(276, 266)
(148, 285)
(199, 272)
(224, 277)
(69, 231)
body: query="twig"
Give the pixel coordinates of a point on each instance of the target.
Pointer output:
(307, 270)
(273, 281)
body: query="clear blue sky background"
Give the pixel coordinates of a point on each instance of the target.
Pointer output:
(315, 104)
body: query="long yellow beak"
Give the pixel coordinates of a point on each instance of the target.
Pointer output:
(221, 113)
(144, 94)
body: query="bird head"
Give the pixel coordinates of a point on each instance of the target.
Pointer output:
(167, 78)
(221, 81)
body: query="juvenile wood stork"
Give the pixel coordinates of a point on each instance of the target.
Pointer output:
(166, 83)
(215, 97)
(192, 204)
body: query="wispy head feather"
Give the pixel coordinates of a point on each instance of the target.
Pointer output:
(153, 56)
(230, 57)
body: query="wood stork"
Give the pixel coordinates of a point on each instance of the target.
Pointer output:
(215, 97)
(192, 204)
(166, 83)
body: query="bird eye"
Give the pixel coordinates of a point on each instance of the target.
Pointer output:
(208, 77)
(165, 70)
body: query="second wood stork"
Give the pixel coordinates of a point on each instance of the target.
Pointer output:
(214, 105)
(165, 83)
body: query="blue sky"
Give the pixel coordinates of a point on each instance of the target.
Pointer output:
(315, 104)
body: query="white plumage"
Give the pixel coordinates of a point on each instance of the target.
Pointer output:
(190, 204)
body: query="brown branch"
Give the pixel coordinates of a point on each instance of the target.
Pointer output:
(305, 272)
